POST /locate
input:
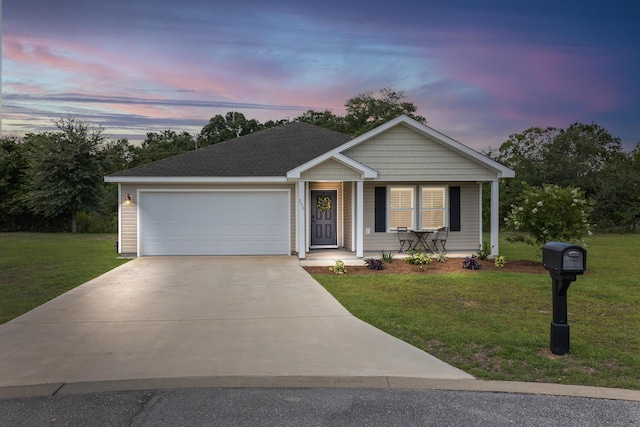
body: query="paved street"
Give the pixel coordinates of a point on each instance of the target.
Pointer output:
(317, 407)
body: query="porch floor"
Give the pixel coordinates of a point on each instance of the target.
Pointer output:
(327, 257)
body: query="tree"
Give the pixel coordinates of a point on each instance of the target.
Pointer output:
(63, 170)
(617, 195)
(525, 153)
(366, 111)
(232, 125)
(577, 156)
(550, 213)
(13, 167)
(325, 119)
(116, 156)
(158, 146)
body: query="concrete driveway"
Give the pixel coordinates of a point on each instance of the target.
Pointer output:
(177, 317)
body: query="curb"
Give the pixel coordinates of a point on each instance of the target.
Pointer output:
(393, 383)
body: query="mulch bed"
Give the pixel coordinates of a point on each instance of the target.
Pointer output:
(452, 265)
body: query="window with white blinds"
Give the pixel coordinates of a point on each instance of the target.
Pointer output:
(433, 207)
(401, 207)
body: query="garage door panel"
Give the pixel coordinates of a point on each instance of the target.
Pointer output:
(214, 223)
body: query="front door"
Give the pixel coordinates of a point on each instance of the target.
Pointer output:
(324, 222)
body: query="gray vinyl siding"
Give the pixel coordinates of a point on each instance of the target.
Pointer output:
(331, 170)
(468, 238)
(129, 214)
(402, 154)
(129, 221)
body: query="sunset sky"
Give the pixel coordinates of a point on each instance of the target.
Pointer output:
(477, 70)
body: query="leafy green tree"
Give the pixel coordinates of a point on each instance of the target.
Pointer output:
(550, 213)
(160, 145)
(325, 119)
(526, 153)
(364, 112)
(367, 110)
(63, 170)
(13, 168)
(578, 155)
(222, 128)
(617, 195)
(116, 156)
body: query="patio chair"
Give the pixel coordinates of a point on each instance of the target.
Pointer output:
(440, 236)
(405, 238)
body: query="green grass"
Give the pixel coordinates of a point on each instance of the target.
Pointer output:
(495, 325)
(36, 267)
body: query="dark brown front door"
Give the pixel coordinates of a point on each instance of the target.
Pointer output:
(324, 223)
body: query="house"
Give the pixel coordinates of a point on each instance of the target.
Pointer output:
(296, 187)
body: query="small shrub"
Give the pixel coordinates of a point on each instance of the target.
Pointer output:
(471, 263)
(386, 256)
(374, 264)
(418, 258)
(442, 256)
(484, 251)
(339, 268)
(500, 261)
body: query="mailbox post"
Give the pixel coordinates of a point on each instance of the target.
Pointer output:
(564, 262)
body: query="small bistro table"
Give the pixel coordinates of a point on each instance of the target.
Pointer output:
(422, 236)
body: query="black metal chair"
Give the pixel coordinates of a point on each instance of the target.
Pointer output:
(440, 236)
(405, 238)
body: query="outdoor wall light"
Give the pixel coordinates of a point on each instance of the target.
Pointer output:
(128, 199)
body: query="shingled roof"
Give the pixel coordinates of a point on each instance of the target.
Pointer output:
(270, 152)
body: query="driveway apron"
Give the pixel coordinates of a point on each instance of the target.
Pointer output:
(173, 317)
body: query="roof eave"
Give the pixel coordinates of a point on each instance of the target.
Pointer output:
(194, 179)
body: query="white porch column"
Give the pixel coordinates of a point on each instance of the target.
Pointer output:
(359, 219)
(495, 217)
(301, 229)
(353, 216)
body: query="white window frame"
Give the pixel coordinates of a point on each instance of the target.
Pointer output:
(417, 209)
(444, 210)
(412, 209)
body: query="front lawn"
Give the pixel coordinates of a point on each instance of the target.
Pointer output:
(495, 325)
(36, 267)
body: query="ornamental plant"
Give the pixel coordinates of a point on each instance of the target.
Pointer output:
(500, 261)
(386, 256)
(550, 213)
(374, 264)
(471, 263)
(339, 268)
(418, 258)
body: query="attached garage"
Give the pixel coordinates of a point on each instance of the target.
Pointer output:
(252, 222)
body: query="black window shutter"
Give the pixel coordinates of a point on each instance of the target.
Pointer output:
(381, 209)
(454, 209)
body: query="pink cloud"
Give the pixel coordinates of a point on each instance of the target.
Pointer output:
(543, 76)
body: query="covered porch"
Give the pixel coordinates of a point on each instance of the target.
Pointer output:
(356, 233)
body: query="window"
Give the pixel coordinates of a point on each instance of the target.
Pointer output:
(433, 207)
(401, 207)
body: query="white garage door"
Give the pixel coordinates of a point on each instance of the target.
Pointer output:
(214, 223)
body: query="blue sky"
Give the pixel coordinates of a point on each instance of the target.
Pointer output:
(478, 71)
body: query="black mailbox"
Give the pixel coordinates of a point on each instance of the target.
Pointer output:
(564, 262)
(561, 258)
